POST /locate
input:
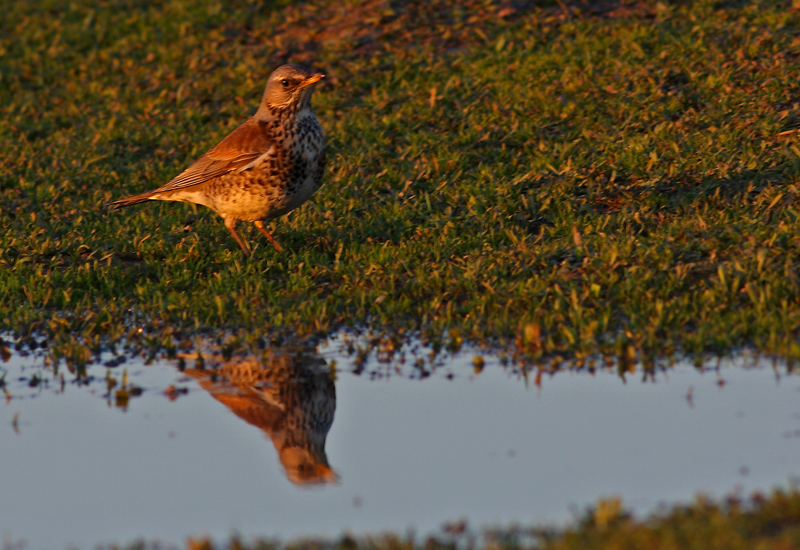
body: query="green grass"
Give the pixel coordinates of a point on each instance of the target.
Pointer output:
(593, 184)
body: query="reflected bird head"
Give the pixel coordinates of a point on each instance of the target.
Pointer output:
(302, 468)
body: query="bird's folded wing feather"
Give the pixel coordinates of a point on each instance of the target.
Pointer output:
(238, 151)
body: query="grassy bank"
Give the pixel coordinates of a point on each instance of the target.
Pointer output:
(575, 179)
(765, 522)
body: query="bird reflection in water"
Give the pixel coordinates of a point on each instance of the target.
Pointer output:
(290, 396)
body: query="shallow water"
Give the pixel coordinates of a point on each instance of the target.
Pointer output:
(234, 454)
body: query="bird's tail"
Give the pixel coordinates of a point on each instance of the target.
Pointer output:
(129, 201)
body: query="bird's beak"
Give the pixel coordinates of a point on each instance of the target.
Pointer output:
(313, 79)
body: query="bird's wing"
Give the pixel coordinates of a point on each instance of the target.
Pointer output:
(237, 152)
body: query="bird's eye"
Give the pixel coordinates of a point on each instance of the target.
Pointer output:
(285, 83)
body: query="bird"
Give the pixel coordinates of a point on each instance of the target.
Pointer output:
(268, 166)
(289, 396)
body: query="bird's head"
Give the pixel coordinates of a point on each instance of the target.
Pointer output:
(304, 468)
(289, 87)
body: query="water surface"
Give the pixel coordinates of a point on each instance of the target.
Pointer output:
(277, 448)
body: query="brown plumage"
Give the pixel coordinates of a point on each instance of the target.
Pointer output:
(290, 397)
(265, 168)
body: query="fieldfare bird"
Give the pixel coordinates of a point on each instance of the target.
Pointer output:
(267, 167)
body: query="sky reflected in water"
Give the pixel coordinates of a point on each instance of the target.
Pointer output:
(277, 448)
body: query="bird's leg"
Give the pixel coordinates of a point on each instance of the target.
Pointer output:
(260, 226)
(230, 223)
